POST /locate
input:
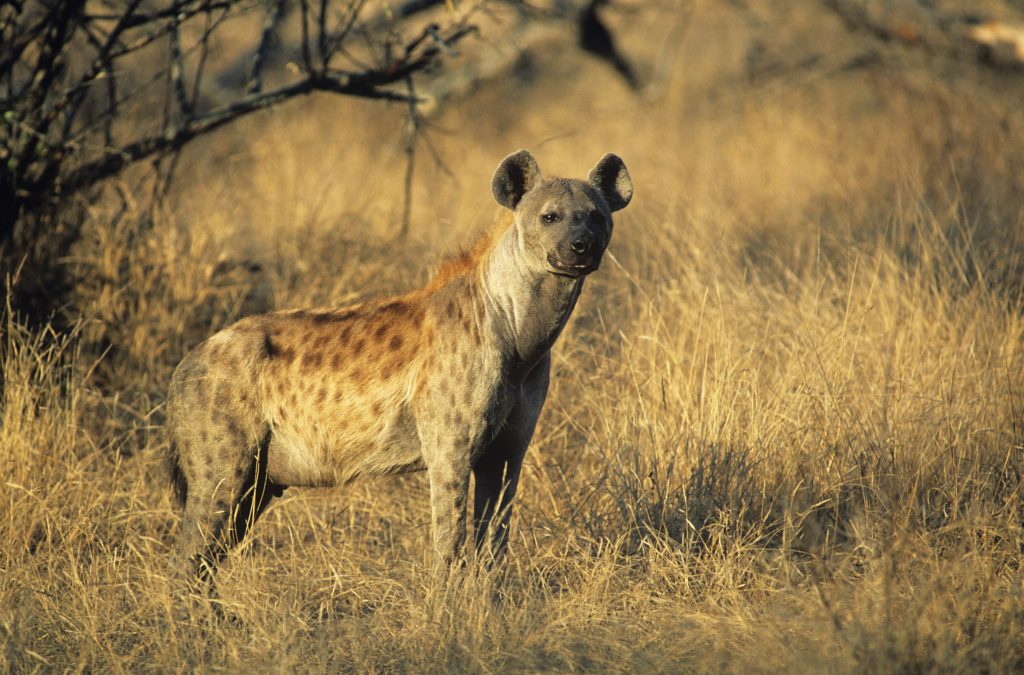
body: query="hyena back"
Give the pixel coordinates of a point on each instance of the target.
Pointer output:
(449, 378)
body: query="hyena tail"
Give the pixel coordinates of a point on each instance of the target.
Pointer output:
(178, 480)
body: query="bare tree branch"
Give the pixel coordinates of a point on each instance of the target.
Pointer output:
(366, 85)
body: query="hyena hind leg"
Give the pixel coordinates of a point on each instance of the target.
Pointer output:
(223, 503)
(256, 493)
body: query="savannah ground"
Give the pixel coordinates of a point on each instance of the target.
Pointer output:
(785, 426)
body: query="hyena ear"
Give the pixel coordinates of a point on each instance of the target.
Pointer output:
(613, 182)
(516, 175)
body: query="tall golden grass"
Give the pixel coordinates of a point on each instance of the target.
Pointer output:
(785, 427)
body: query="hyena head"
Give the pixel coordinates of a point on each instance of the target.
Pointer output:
(563, 225)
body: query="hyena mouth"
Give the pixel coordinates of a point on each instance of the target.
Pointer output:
(572, 271)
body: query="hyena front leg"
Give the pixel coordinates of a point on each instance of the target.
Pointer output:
(497, 471)
(449, 487)
(497, 477)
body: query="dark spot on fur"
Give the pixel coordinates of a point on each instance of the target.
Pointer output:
(396, 343)
(336, 360)
(381, 331)
(397, 308)
(378, 409)
(321, 318)
(234, 429)
(269, 347)
(222, 399)
(357, 348)
(312, 360)
(239, 471)
(321, 395)
(321, 342)
(450, 309)
(344, 314)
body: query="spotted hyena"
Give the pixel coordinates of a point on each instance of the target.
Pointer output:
(449, 378)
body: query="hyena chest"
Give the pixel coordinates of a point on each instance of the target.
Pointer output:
(466, 411)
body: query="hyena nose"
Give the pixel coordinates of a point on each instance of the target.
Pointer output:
(580, 246)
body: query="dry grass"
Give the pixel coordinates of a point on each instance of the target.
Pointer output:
(785, 430)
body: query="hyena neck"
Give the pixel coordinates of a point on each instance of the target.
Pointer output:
(526, 307)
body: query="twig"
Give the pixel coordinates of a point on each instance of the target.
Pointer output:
(178, 74)
(335, 41)
(321, 38)
(204, 49)
(174, 10)
(413, 125)
(269, 26)
(162, 183)
(307, 59)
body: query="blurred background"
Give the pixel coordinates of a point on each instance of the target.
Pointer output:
(785, 425)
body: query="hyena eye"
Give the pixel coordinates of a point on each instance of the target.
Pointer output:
(551, 218)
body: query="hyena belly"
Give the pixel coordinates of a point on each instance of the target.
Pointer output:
(341, 435)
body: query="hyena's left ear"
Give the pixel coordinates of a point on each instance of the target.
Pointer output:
(613, 182)
(516, 175)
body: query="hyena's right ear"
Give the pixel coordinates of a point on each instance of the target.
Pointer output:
(516, 175)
